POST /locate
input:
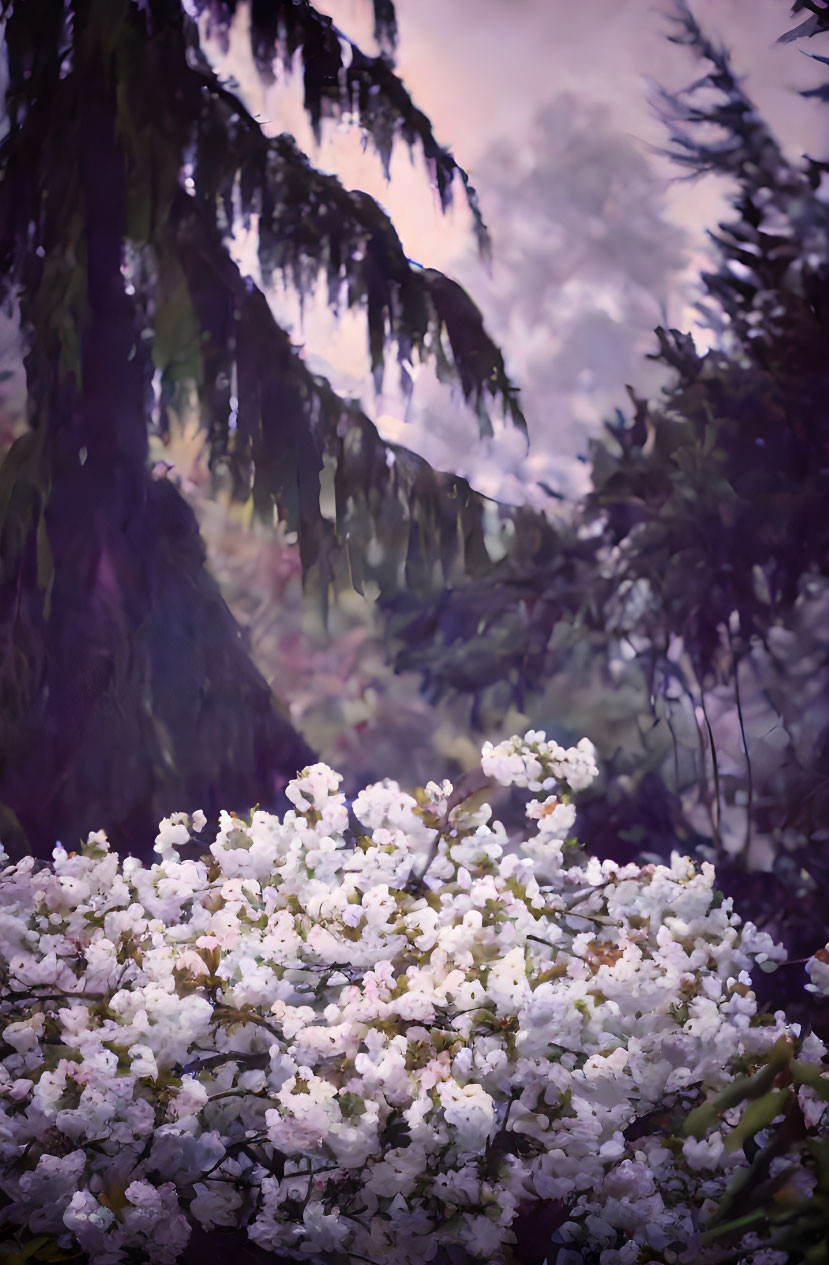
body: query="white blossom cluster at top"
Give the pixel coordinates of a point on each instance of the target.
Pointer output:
(374, 1041)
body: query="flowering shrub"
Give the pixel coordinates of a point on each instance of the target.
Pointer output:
(378, 1032)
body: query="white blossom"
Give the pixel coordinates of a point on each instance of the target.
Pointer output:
(818, 971)
(432, 1031)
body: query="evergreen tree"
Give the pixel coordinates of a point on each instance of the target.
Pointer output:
(695, 575)
(125, 687)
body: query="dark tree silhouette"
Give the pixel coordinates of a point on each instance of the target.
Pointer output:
(125, 687)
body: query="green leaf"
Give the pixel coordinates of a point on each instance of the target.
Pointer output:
(729, 1227)
(702, 1117)
(177, 350)
(41, 1249)
(758, 1115)
(814, 1075)
(700, 1120)
(351, 1105)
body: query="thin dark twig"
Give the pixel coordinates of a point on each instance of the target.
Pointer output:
(714, 765)
(736, 661)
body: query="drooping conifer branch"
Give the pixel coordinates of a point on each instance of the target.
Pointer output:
(339, 78)
(309, 225)
(383, 491)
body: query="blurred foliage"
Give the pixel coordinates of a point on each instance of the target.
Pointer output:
(333, 675)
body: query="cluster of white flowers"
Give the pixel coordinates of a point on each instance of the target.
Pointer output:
(539, 764)
(372, 1044)
(546, 769)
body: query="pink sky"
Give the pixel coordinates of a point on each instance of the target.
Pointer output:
(482, 70)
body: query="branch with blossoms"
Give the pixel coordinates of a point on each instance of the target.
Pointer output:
(367, 1031)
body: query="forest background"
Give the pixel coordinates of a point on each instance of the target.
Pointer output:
(593, 247)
